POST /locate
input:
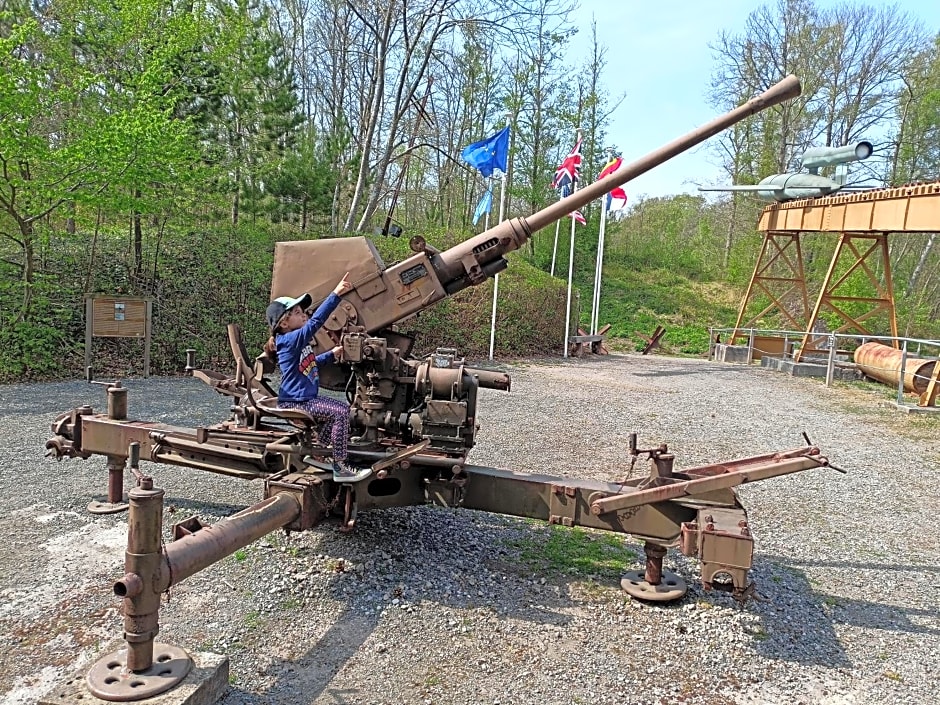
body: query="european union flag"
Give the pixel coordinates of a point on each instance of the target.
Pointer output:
(491, 153)
(484, 206)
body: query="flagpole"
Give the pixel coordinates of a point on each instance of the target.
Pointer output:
(600, 266)
(502, 204)
(599, 263)
(555, 246)
(486, 216)
(570, 264)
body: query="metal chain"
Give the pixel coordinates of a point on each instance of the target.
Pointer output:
(625, 480)
(169, 567)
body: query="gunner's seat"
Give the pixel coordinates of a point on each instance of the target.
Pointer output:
(260, 395)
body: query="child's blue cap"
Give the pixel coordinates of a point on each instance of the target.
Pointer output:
(281, 305)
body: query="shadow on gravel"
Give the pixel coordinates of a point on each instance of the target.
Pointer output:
(306, 678)
(875, 615)
(438, 545)
(796, 625)
(842, 565)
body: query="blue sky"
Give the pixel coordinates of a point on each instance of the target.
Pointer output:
(658, 55)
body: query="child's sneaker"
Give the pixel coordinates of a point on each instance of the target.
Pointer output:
(342, 472)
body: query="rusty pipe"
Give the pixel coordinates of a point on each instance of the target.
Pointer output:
(883, 363)
(490, 379)
(141, 563)
(150, 571)
(116, 479)
(710, 483)
(191, 554)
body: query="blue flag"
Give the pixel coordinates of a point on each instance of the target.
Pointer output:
(484, 206)
(491, 153)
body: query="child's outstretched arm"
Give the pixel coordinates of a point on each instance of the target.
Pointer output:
(331, 355)
(324, 310)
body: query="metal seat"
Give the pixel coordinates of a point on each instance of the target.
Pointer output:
(259, 392)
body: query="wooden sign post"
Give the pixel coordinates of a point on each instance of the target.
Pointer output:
(111, 316)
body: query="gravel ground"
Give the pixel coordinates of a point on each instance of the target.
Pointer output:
(429, 605)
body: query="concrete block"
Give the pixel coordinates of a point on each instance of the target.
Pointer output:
(841, 372)
(730, 353)
(911, 409)
(205, 685)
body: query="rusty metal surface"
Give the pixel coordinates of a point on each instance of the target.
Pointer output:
(566, 501)
(110, 679)
(205, 547)
(912, 208)
(669, 588)
(883, 363)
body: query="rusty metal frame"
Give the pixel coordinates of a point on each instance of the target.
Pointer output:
(871, 215)
(768, 278)
(929, 397)
(875, 245)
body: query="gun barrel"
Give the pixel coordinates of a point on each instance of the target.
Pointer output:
(512, 234)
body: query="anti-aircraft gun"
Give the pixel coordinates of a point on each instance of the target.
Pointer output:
(415, 420)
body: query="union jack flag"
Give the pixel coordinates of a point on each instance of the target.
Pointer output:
(578, 217)
(569, 172)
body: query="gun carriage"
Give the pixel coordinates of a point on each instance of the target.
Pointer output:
(413, 420)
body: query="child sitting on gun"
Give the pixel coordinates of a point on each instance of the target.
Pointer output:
(292, 332)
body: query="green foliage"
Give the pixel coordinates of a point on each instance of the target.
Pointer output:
(574, 551)
(674, 233)
(162, 149)
(639, 300)
(918, 149)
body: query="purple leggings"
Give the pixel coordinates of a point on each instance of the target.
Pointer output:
(333, 414)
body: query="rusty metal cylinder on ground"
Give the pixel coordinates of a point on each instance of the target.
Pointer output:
(883, 363)
(142, 558)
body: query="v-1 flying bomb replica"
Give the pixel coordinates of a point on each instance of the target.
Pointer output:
(792, 186)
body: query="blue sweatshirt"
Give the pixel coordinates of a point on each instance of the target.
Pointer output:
(300, 376)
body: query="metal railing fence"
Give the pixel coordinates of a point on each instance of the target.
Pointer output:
(910, 348)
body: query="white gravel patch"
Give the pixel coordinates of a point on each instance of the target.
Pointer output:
(430, 605)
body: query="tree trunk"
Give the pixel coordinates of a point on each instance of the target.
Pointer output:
(924, 255)
(138, 239)
(29, 265)
(91, 257)
(373, 113)
(236, 195)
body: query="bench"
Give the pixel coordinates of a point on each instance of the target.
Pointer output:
(581, 343)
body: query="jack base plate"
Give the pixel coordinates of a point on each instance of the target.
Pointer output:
(99, 507)
(672, 587)
(109, 678)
